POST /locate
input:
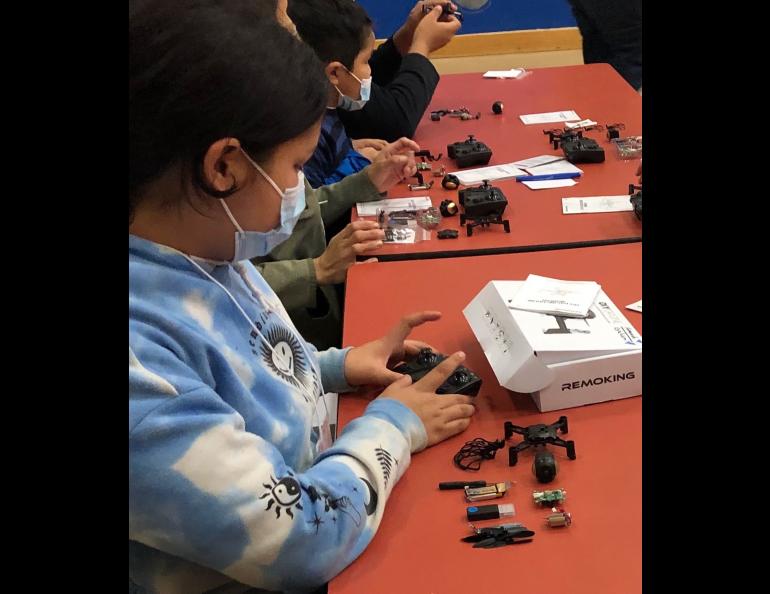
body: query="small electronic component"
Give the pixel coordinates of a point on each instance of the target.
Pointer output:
(448, 208)
(497, 107)
(421, 183)
(549, 497)
(489, 512)
(404, 235)
(447, 234)
(429, 218)
(426, 154)
(558, 518)
(451, 485)
(463, 113)
(488, 492)
(450, 182)
(395, 218)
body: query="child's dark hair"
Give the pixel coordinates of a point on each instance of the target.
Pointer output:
(203, 70)
(336, 29)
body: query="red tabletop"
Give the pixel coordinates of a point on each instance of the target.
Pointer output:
(418, 548)
(594, 91)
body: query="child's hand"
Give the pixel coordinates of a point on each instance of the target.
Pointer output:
(442, 415)
(374, 143)
(432, 34)
(404, 36)
(359, 237)
(369, 363)
(394, 163)
(369, 147)
(369, 153)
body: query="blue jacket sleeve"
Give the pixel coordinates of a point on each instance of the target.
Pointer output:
(351, 163)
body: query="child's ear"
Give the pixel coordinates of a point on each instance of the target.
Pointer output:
(332, 71)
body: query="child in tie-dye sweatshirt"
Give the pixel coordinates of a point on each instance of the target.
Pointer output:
(234, 485)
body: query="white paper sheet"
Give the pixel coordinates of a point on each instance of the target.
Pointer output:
(550, 117)
(593, 204)
(549, 183)
(369, 209)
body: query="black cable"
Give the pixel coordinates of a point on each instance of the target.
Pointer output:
(473, 452)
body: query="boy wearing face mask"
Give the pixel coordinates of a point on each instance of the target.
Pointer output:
(341, 34)
(404, 78)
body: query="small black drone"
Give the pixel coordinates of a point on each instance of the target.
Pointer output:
(538, 436)
(558, 135)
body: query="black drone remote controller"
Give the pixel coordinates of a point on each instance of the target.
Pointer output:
(582, 150)
(462, 381)
(470, 152)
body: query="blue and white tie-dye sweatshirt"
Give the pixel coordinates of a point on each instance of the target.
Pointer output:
(226, 489)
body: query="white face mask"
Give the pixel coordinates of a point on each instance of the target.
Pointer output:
(349, 104)
(253, 244)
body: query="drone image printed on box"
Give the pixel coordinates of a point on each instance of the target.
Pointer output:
(483, 206)
(462, 380)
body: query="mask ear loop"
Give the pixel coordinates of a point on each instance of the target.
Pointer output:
(262, 172)
(360, 82)
(230, 215)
